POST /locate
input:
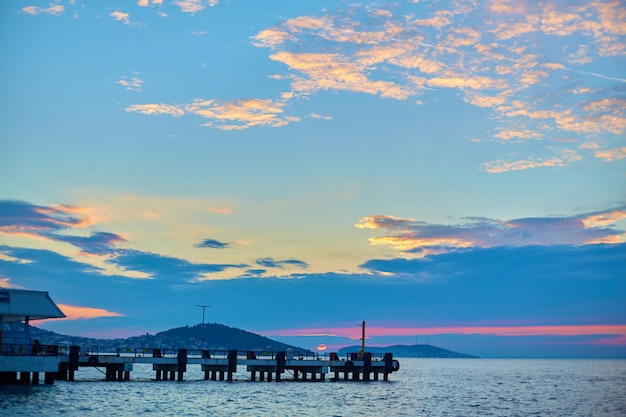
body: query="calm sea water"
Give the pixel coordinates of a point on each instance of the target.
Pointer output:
(422, 387)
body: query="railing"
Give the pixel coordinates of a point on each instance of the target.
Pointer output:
(29, 349)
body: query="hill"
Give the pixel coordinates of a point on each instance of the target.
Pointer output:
(216, 337)
(409, 351)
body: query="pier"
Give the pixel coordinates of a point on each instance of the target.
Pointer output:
(171, 364)
(23, 360)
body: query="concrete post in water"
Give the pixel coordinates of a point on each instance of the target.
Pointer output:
(388, 358)
(367, 366)
(232, 364)
(182, 363)
(281, 362)
(25, 378)
(73, 361)
(49, 378)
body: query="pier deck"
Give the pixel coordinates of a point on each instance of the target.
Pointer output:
(171, 364)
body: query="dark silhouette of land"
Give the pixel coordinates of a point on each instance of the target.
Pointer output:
(409, 351)
(216, 337)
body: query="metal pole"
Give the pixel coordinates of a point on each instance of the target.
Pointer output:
(363, 340)
(203, 307)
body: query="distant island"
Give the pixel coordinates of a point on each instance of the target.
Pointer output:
(409, 351)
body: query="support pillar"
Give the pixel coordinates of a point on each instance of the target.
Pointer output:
(49, 378)
(25, 378)
(35, 378)
(213, 375)
(126, 375)
(158, 375)
(222, 375)
(295, 374)
(253, 375)
(261, 376)
(323, 377)
(172, 375)
(313, 376)
(375, 376)
(367, 366)
(269, 377)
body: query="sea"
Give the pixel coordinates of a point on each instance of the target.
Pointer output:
(422, 387)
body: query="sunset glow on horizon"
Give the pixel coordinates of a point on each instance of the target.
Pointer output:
(442, 170)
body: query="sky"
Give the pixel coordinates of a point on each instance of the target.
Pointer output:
(450, 172)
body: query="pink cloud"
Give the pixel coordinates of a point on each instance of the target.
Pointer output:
(82, 313)
(619, 331)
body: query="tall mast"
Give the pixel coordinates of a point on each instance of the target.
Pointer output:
(363, 340)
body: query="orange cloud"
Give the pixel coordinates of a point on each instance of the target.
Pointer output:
(604, 219)
(81, 313)
(193, 6)
(234, 114)
(146, 3)
(120, 16)
(53, 9)
(565, 158)
(612, 154)
(156, 109)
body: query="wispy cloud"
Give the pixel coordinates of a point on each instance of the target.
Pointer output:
(121, 16)
(612, 154)
(68, 224)
(392, 53)
(53, 9)
(564, 158)
(131, 83)
(146, 3)
(82, 313)
(212, 244)
(236, 114)
(194, 6)
(272, 263)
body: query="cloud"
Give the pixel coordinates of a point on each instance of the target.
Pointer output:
(194, 6)
(52, 223)
(156, 109)
(271, 263)
(166, 268)
(146, 3)
(564, 158)
(412, 236)
(121, 16)
(402, 52)
(236, 114)
(212, 244)
(612, 154)
(132, 83)
(53, 9)
(517, 331)
(19, 217)
(82, 313)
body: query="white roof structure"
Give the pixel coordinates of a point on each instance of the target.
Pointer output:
(22, 305)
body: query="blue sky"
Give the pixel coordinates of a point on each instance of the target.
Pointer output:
(447, 171)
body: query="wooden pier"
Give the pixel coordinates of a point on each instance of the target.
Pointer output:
(171, 365)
